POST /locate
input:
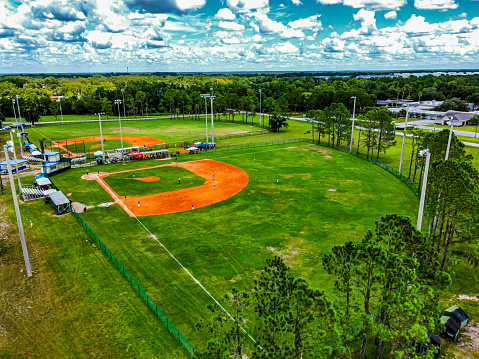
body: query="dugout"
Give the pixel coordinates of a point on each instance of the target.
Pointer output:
(22, 165)
(155, 154)
(43, 183)
(60, 201)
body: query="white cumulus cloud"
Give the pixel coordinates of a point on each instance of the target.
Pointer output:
(311, 23)
(391, 15)
(230, 25)
(246, 6)
(435, 4)
(375, 5)
(225, 14)
(286, 48)
(292, 33)
(367, 20)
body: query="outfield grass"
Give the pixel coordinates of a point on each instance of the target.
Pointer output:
(225, 245)
(126, 184)
(77, 304)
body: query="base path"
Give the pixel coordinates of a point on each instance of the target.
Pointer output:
(228, 181)
(134, 140)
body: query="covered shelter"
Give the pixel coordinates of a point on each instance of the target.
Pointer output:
(155, 154)
(22, 165)
(60, 201)
(134, 154)
(43, 183)
(193, 149)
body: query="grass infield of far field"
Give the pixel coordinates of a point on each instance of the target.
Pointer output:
(126, 184)
(323, 198)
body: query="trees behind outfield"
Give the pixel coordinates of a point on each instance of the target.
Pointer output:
(181, 93)
(385, 288)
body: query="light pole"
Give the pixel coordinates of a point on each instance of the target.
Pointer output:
(449, 141)
(212, 126)
(352, 128)
(14, 111)
(424, 185)
(124, 109)
(403, 140)
(8, 148)
(117, 102)
(19, 114)
(101, 135)
(205, 96)
(15, 159)
(260, 114)
(60, 102)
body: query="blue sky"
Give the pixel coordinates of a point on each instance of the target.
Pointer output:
(237, 35)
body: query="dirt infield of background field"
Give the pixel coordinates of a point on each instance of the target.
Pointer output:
(134, 140)
(228, 181)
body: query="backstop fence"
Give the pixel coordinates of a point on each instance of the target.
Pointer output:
(136, 286)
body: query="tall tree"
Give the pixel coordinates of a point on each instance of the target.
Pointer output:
(453, 205)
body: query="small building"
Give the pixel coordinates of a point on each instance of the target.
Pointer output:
(22, 165)
(60, 201)
(451, 327)
(51, 157)
(458, 314)
(458, 118)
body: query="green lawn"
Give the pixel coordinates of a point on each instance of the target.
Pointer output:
(226, 244)
(77, 304)
(470, 128)
(125, 183)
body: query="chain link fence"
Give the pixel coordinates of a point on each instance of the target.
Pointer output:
(136, 286)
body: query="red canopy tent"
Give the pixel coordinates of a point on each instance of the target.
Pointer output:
(134, 154)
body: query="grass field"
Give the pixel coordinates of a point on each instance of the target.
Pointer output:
(226, 244)
(223, 245)
(126, 184)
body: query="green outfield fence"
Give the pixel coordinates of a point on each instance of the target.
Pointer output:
(136, 286)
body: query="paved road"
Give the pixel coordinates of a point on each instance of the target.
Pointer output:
(421, 124)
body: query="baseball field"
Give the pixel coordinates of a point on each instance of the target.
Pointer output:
(192, 228)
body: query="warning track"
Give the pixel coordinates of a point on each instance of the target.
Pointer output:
(228, 181)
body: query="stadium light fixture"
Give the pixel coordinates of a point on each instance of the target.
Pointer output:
(8, 149)
(212, 125)
(117, 102)
(260, 114)
(14, 111)
(205, 96)
(352, 129)
(19, 114)
(60, 102)
(101, 135)
(449, 141)
(403, 141)
(423, 153)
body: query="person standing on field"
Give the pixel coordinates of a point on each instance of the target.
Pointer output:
(179, 180)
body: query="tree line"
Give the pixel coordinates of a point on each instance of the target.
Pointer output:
(180, 94)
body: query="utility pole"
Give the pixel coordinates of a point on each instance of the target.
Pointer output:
(17, 212)
(60, 102)
(403, 141)
(352, 128)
